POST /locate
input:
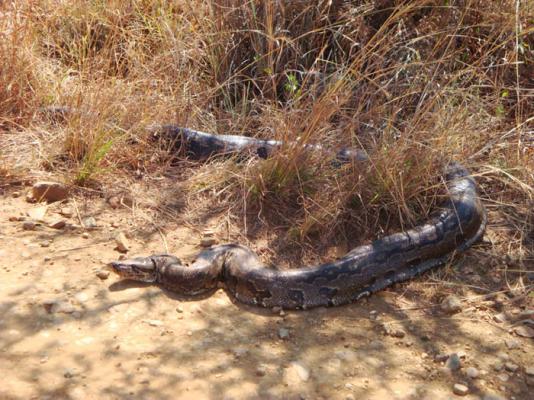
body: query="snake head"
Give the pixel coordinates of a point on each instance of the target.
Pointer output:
(143, 269)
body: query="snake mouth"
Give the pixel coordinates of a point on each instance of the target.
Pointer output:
(142, 269)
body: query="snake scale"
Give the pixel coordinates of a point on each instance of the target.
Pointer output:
(458, 224)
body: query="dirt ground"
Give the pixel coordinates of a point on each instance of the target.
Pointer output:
(70, 331)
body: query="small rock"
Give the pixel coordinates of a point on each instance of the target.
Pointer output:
(460, 390)
(500, 318)
(511, 367)
(69, 373)
(302, 372)
(29, 225)
(493, 396)
(441, 357)
(58, 224)
(472, 372)
(37, 213)
(261, 370)
(451, 304)
(89, 223)
(453, 362)
(208, 241)
(15, 194)
(66, 212)
(397, 332)
(240, 352)
(49, 191)
(283, 333)
(46, 243)
(503, 377)
(524, 331)
(179, 309)
(529, 371)
(512, 343)
(122, 243)
(154, 322)
(498, 366)
(102, 274)
(85, 235)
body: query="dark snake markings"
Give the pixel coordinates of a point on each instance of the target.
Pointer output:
(365, 269)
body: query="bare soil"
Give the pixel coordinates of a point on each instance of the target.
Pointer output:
(68, 332)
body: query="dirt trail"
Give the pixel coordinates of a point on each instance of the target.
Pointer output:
(66, 333)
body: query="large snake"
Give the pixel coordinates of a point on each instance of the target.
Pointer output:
(459, 223)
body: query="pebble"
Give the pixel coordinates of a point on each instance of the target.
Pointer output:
(529, 371)
(498, 366)
(493, 396)
(66, 212)
(102, 274)
(122, 243)
(208, 241)
(58, 224)
(472, 372)
(179, 309)
(49, 191)
(37, 213)
(512, 343)
(459, 389)
(453, 362)
(283, 333)
(240, 352)
(503, 377)
(524, 331)
(302, 372)
(500, 318)
(511, 367)
(261, 370)
(451, 304)
(154, 322)
(46, 243)
(29, 225)
(89, 223)
(85, 235)
(15, 194)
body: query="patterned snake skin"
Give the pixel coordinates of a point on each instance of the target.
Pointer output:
(458, 224)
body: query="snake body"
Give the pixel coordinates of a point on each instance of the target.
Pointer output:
(458, 224)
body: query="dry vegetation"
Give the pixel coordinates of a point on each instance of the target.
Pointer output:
(414, 83)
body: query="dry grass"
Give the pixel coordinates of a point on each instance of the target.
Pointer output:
(415, 83)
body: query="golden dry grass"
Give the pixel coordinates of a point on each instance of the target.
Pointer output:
(414, 83)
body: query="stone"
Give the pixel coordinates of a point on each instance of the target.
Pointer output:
(460, 390)
(283, 333)
(49, 191)
(102, 274)
(503, 377)
(208, 241)
(15, 194)
(58, 224)
(529, 371)
(37, 213)
(524, 331)
(472, 372)
(85, 235)
(66, 212)
(301, 371)
(89, 223)
(453, 362)
(240, 352)
(511, 367)
(512, 343)
(498, 366)
(122, 244)
(451, 304)
(500, 318)
(29, 225)
(154, 322)
(493, 396)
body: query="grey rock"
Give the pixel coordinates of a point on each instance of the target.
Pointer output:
(512, 343)
(283, 333)
(472, 372)
(460, 390)
(89, 223)
(451, 304)
(511, 367)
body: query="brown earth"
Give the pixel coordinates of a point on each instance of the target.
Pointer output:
(67, 331)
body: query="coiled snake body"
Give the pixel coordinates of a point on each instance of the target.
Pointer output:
(366, 269)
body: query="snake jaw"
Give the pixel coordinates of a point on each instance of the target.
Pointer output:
(143, 269)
